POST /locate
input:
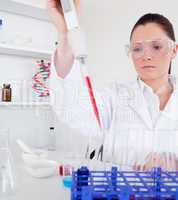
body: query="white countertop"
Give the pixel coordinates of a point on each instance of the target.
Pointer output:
(51, 188)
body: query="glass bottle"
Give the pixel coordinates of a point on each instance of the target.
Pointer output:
(6, 93)
(52, 139)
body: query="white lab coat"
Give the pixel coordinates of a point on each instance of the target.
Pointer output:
(122, 108)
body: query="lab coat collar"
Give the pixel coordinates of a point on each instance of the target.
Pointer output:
(172, 104)
(143, 86)
(170, 110)
(139, 106)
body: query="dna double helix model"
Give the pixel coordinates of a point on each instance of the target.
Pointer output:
(40, 78)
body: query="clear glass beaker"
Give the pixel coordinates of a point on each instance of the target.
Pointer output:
(71, 147)
(7, 186)
(139, 149)
(164, 150)
(124, 151)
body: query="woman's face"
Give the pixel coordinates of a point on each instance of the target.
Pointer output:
(151, 51)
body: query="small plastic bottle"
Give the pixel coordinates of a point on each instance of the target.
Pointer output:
(52, 139)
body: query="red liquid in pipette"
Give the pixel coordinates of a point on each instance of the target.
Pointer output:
(92, 99)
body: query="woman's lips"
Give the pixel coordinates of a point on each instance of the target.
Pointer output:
(148, 67)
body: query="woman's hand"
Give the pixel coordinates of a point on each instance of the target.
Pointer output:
(55, 12)
(167, 161)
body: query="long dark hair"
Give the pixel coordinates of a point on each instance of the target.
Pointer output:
(162, 21)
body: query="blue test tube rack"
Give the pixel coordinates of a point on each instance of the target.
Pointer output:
(124, 185)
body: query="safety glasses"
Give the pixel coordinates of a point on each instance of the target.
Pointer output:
(153, 48)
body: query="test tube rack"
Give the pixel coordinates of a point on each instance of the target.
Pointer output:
(124, 185)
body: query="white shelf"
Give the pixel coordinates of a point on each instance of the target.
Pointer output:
(21, 51)
(30, 104)
(23, 9)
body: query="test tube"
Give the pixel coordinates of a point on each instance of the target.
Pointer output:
(169, 141)
(7, 180)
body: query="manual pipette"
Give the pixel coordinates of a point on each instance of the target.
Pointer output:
(79, 47)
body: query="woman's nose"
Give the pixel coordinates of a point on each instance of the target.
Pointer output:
(147, 54)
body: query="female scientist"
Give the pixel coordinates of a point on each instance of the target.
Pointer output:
(149, 105)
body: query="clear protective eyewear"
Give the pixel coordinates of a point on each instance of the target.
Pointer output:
(156, 48)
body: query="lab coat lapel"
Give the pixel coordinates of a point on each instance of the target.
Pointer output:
(139, 106)
(170, 110)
